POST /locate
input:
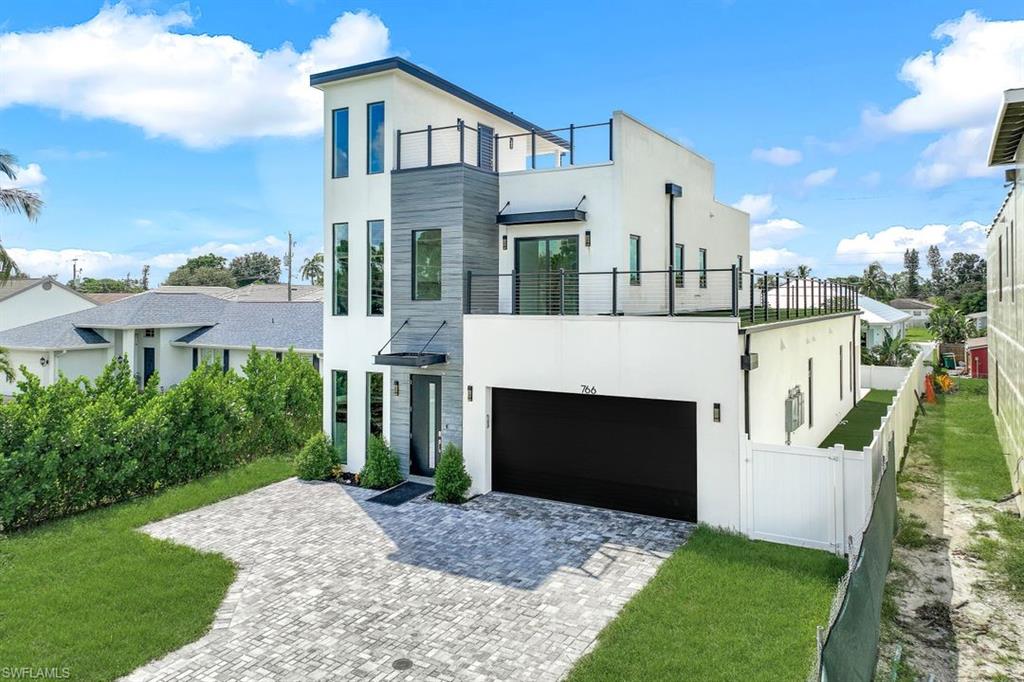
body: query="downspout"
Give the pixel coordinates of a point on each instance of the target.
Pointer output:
(673, 191)
(746, 387)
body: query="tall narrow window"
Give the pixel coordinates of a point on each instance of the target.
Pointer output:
(339, 144)
(702, 267)
(997, 386)
(375, 404)
(339, 433)
(810, 392)
(840, 372)
(1000, 268)
(1011, 257)
(426, 265)
(739, 270)
(678, 258)
(375, 137)
(634, 259)
(375, 267)
(853, 372)
(341, 268)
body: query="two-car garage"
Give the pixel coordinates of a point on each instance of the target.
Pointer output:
(631, 454)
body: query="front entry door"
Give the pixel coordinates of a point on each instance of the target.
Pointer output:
(148, 364)
(425, 439)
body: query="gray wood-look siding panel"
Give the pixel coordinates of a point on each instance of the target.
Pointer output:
(462, 202)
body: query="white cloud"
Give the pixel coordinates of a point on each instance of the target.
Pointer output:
(774, 231)
(953, 156)
(777, 259)
(958, 92)
(777, 156)
(759, 206)
(872, 179)
(96, 263)
(820, 177)
(204, 90)
(888, 245)
(27, 177)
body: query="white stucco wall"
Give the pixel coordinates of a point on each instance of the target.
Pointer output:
(30, 360)
(876, 333)
(783, 353)
(624, 356)
(38, 303)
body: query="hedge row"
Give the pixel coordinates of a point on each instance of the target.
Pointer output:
(78, 444)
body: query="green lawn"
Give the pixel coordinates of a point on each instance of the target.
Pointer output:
(92, 594)
(919, 334)
(721, 608)
(855, 431)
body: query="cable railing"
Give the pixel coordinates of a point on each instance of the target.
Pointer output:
(535, 149)
(752, 297)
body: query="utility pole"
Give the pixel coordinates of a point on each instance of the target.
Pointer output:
(288, 259)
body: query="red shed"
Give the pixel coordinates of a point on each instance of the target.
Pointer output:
(977, 357)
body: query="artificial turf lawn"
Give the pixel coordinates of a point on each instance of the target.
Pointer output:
(93, 595)
(855, 431)
(720, 608)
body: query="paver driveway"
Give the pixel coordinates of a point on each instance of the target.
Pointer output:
(334, 587)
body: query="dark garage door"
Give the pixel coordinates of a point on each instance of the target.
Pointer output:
(631, 454)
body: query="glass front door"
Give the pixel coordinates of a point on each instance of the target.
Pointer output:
(541, 289)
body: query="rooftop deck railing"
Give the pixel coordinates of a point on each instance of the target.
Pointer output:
(531, 150)
(752, 297)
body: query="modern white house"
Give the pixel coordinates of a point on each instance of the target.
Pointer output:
(166, 333)
(1005, 258)
(28, 300)
(879, 319)
(572, 306)
(919, 311)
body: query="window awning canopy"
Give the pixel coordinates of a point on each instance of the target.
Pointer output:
(420, 358)
(569, 215)
(1009, 130)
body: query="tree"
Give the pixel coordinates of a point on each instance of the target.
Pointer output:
(950, 325)
(14, 200)
(875, 283)
(800, 271)
(108, 285)
(256, 267)
(965, 274)
(313, 269)
(144, 282)
(6, 369)
(911, 267)
(892, 352)
(935, 264)
(206, 270)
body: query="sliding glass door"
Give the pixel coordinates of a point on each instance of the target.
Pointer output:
(540, 287)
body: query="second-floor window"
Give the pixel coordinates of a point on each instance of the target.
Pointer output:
(339, 144)
(702, 267)
(341, 268)
(375, 137)
(634, 259)
(426, 265)
(739, 269)
(375, 267)
(678, 258)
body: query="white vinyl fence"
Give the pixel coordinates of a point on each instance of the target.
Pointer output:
(821, 497)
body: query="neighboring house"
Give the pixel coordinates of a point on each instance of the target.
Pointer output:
(257, 293)
(879, 319)
(977, 357)
(979, 319)
(162, 332)
(105, 298)
(1005, 256)
(24, 301)
(919, 311)
(507, 289)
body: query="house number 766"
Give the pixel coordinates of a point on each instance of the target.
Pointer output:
(588, 390)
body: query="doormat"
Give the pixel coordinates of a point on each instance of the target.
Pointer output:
(401, 493)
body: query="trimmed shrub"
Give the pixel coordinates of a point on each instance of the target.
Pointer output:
(381, 469)
(317, 459)
(451, 480)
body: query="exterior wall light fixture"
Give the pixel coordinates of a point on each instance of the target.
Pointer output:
(469, 393)
(586, 238)
(396, 387)
(504, 242)
(718, 412)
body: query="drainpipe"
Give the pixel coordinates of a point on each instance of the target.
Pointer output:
(673, 191)
(746, 387)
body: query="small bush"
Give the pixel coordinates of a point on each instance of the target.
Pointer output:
(381, 469)
(451, 480)
(317, 459)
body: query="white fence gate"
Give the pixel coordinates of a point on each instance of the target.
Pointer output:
(821, 497)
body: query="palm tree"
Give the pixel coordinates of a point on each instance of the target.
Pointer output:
(894, 351)
(14, 200)
(313, 269)
(799, 272)
(875, 283)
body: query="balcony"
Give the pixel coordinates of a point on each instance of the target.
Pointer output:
(482, 147)
(753, 298)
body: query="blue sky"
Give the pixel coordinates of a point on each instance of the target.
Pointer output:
(156, 130)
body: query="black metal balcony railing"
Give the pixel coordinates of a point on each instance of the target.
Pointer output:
(530, 150)
(753, 297)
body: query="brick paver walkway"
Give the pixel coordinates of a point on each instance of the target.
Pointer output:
(332, 587)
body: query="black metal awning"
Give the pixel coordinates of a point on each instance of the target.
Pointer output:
(569, 215)
(420, 358)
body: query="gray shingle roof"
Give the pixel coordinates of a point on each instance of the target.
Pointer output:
(910, 304)
(153, 309)
(266, 325)
(56, 333)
